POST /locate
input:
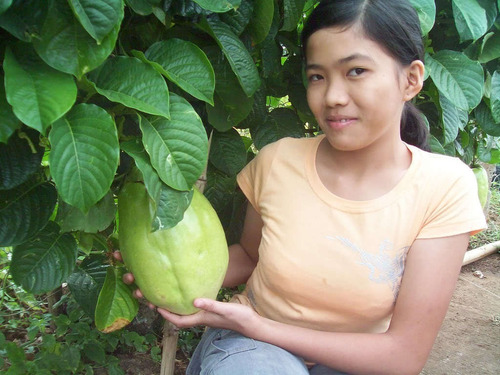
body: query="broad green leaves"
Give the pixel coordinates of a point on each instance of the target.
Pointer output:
(186, 65)
(495, 96)
(473, 18)
(42, 264)
(177, 147)
(457, 77)
(239, 58)
(129, 81)
(65, 45)
(98, 17)
(219, 6)
(24, 211)
(262, 19)
(20, 158)
(426, 10)
(84, 155)
(38, 94)
(86, 282)
(293, 13)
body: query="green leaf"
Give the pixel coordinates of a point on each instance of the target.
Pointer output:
(219, 6)
(186, 65)
(460, 79)
(219, 190)
(9, 122)
(282, 122)
(86, 282)
(239, 19)
(238, 56)
(95, 352)
(485, 119)
(98, 218)
(43, 263)
(117, 79)
(495, 96)
(84, 156)
(136, 150)
(66, 46)
(116, 307)
(142, 7)
(177, 147)
(228, 152)
(231, 105)
(171, 207)
(24, 211)
(4, 5)
(24, 18)
(98, 17)
(38, 94)
(292, 10)
(490, 49)
(261, 21)
(452, 119)
(471, 19)
(20, 158)
(426, 10)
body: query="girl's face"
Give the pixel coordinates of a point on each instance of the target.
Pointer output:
(355, 90)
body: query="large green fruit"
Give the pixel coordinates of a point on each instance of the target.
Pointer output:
(173, 266)
(482, 183)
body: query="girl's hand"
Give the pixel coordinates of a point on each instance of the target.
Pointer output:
(233, 316)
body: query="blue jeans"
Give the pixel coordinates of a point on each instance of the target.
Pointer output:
(224, 352)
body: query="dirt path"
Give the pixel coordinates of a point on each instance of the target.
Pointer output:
(469, 340)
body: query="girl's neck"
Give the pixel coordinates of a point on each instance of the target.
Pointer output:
(362, 174)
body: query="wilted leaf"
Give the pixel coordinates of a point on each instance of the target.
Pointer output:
(116, 307)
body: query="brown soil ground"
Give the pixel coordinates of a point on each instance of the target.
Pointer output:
(469, 340)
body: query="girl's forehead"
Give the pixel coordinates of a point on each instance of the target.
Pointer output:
(339, 41)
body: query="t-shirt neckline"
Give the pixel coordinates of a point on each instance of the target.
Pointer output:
(353, 205)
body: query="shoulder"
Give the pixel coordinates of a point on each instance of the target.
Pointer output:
(285, 147)
(441, 167)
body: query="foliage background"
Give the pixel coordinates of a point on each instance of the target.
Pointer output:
(92, 88)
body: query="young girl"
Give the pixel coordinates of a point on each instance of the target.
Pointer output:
(354, 239)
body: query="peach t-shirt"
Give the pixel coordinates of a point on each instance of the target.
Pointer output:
(333, 264)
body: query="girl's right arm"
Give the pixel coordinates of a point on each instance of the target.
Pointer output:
(243, 256)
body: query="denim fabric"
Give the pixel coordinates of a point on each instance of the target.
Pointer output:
(224, 352)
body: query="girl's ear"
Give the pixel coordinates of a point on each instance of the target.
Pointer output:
(415, 79)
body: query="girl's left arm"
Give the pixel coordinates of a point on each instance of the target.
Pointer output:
(429, 279)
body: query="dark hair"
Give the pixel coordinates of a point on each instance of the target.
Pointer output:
(394, 25)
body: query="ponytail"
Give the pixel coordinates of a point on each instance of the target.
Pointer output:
(413, 127)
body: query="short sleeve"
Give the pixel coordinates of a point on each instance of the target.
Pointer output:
(455, 207)
(253, 176)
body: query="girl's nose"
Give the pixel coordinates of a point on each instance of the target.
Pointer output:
(336, 94)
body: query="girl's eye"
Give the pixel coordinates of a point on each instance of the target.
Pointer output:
(314, 78)
(356, 72)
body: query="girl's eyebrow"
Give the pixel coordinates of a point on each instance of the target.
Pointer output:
(343, 61)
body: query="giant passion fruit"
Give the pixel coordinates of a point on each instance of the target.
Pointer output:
(482, 184)
(172, 266)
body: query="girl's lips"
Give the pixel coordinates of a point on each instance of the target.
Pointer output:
(338, 123)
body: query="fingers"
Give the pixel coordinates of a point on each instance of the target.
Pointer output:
(138, 294)
(128, 278)
(118, 255)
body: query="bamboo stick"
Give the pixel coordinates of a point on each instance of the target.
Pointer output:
(480, 252)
